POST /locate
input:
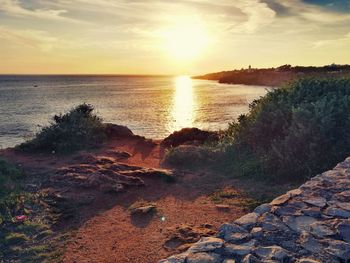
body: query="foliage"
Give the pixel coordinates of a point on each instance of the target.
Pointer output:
(22, 240)
(293, 132)
(78, 129)
(9, 178)
(189, 156)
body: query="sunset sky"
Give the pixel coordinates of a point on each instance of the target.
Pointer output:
(170, 37)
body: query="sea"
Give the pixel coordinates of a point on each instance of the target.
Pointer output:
(151, 106)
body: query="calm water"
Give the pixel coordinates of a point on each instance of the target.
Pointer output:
(150, 106)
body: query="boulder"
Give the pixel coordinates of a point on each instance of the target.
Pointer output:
(248, 220)
(299, 223)
(114, 131)
(206, 244)
(272, 252)
(187, 135)
(337, 212)
(319, 229)
(338, 248)
(143, 209)
(240, 250)
(344, 230)
(203, 258)
(281, 199)
(316, 201)
(261, 209)
(250, 259)
(310, 244)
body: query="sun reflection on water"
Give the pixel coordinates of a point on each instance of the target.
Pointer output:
(183, 109)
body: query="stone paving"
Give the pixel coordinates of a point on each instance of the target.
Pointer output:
(307, 225)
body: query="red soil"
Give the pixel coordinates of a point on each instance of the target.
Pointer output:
(108, 233)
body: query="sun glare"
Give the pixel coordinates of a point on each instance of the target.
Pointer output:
(184, 104)
(185, 40)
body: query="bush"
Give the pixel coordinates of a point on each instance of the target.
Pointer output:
(10, 188)
(78, 129)
(189, 156)
(190, 136)
(293, 132)
(9, 178)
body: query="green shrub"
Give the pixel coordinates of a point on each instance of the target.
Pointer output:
(9, 178)
(189, 156)
(78, 129)
(293, 132)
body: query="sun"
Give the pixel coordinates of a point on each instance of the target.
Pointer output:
(185, 40)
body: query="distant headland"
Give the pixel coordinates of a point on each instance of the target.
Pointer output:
(275, 76)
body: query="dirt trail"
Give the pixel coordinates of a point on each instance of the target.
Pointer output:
(107, 232)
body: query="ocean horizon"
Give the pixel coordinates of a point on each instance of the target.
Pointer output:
(151, 106)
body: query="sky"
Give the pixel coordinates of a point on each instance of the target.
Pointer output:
(169, 36)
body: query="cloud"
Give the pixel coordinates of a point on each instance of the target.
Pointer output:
(342, 42)
(29, 38)
(241, 31)
(15, 8)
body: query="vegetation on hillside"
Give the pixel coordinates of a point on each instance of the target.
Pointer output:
(292, 133)
(78, 129)
(276, 76)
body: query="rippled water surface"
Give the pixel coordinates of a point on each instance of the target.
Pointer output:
(150, 106)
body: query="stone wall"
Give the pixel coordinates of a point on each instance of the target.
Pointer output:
(308, 224)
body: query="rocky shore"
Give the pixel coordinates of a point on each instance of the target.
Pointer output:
(309, 224)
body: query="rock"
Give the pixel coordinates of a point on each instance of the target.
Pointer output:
(310, 243)
(237, 237)
(261, 209)
(337, 212)
(228, 228)
(248, 220)
(316, 201)
(306, 225)
(203, 258)
(112, 188)
(281, 199)
(85, 158)
(114, 131)
(240, 250)
(270, 222)
(272, 252)
(180, 258)
(120, 155)
(286, 210)
(143, 209)
(345, 206)
(299, 223)
(339, 249)
(344, 230)
(150, 172)
(229, 261)
(256, 232)
(250, 259)
(232, 232)
(343, 196)
(206, 244)
(187, 135)
(321, 230)
(312, 211)
(308, 260)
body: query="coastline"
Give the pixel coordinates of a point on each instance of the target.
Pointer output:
(276, 77)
